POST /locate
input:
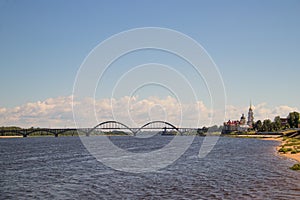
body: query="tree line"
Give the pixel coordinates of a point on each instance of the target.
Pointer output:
(293, 119)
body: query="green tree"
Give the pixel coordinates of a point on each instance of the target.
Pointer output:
(293, 119)
(200, 131)
(258, 126)
(214, 128)
(287, 126)
(267, 125)
(277, 123)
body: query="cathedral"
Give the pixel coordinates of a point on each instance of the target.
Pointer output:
(240, 125)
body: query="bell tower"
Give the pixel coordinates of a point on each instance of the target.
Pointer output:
(250, 116)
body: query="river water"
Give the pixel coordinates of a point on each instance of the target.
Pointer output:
(62, 168)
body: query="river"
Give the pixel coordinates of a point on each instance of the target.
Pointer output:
(62, 168)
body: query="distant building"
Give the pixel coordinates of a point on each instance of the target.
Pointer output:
(284, 121)
(240, 125)
(230, 126)
(250, 117)
(243, 120)
(237, 125)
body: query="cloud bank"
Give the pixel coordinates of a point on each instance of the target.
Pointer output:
(57, 112)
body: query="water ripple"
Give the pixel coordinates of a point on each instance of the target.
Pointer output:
(61, 168)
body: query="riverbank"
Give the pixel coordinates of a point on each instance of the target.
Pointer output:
(284, 142)
(10, 136)
(288, 147)
(254, 136)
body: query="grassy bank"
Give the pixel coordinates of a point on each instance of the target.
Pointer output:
(290, 148)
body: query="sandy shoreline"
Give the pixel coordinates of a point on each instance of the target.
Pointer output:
(287, 155)
(12, 136)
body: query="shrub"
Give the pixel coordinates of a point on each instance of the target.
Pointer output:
(294, 140)
(295, 166)
(294, 151)
(292, 144)
(283, 150)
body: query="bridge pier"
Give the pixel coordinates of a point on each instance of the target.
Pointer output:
(25, 133)
(56, 132)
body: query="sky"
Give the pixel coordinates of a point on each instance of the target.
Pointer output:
(254, 44)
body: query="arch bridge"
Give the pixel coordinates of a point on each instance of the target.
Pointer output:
(107, 126)
(27, 132)
(153, 125)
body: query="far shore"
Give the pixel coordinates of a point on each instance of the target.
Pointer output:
(10, 136)
(255, 136)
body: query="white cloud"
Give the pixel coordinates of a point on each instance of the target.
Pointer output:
(261, 111)
(133, 111)
(53, 112)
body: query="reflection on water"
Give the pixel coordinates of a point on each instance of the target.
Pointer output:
(61, 168)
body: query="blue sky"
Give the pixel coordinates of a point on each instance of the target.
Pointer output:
(255, 44)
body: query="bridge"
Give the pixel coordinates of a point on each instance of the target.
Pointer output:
(112, 126)
(26, 132)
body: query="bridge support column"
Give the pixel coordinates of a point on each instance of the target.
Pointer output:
(165, 131)
(25, 133)
(87, 134)
(56, 133)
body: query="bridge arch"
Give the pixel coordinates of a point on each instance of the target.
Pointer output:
(16, 131)
(111, 122)
(27, 132)
(161, 122)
